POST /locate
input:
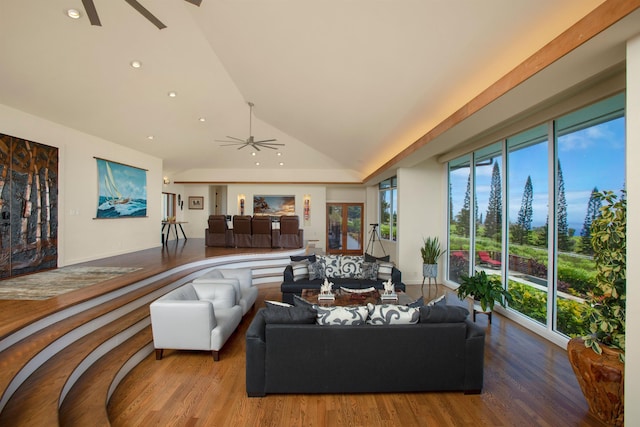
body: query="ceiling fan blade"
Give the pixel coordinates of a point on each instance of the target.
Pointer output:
(92, 13)
(265, 140)
(255, 147)
(195, 2)
(237, 139)
(231, 144)
(144, 12)
(266, 146)
(242, 146)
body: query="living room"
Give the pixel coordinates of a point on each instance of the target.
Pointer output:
(422, 179)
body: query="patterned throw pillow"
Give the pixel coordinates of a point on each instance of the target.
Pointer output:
(369, 270)
(341, 316)
(351, 266)
(391, 314)
(316, 270)
(384, 270)
(300, 270)
(331, 266)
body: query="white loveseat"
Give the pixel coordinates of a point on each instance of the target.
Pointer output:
(240, 278)
(195, 316)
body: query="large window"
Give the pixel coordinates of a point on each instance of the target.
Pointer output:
(533, 203)
(388, 208)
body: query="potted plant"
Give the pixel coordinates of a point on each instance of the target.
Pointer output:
(486, 289)
(430, 252)
(598, 359)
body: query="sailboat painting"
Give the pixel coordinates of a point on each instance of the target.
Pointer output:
(122, 190)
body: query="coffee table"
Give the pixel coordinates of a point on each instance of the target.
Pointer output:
(344, 298)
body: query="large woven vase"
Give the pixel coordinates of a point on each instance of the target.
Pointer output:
(601, 378)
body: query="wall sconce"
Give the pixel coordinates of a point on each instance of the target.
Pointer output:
(241, 203)
(165, 180)
(307, 207)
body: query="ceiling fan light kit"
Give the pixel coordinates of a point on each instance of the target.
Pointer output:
(250, 142)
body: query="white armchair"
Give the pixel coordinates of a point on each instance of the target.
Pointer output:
(195, 317)
(242, 280)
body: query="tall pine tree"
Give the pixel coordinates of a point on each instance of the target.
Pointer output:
(593, 211)
(564, 243)
(493, 219)
(462, 227)
(525, 214)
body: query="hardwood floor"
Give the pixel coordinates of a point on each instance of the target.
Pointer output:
(528, 382)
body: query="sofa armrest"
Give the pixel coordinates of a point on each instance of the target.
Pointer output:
(182, 324)
(396, 276)
(256, 350)
(288, 274)
(474, 358)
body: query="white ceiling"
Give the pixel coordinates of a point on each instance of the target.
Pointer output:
(345, 84)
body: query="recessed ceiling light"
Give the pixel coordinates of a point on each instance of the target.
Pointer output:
(257, 163)
(202, 119)
(150, 137)
(253, 154)
(73, 13)
(136, 64)
(281, 163)
(172, 94)
(278, 154)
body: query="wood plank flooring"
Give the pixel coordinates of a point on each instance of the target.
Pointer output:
(528, 382)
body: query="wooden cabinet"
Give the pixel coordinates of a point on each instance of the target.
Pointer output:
(28, 206)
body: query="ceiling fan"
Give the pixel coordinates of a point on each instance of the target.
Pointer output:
(250, 142)
(92, 13)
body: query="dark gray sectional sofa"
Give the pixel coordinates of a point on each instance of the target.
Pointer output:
(311, 358)
(291, 286)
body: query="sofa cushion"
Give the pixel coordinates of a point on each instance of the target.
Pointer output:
(300, 270)
(441, 300)
(298, 301)
(351, 266)
(281, 314)
(417, 303)
(341, 316)
(311, 258)
(438, 313)
(316, 270)
(385, 269)
(391, 314)
(371, 258)
(369, 270)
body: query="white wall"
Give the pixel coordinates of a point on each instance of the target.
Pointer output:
(80, 236)
(421, 207)
(632, 365)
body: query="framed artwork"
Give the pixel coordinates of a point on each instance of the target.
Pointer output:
(122, 190)
(196, 202)
(274, 205)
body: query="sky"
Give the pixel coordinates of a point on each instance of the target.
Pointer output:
(591, 157)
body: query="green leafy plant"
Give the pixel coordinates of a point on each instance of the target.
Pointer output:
(606, 312)
(431, 250)
(484, 288)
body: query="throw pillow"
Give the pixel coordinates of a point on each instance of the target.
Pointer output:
(331, 266)
(316, 270)
(384, 270)
(311, 258)
(300, 270)
(371, 258)
(279, 314)
(271, 303)
(417, 303)
(443, 314)
(351, 266)
(441, 300)
(341, 316)
(370, 270)
(391, 314)
(298, 301)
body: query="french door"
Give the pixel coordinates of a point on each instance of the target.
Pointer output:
(344, 228)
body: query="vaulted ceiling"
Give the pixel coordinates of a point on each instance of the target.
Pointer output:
(344, 84)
